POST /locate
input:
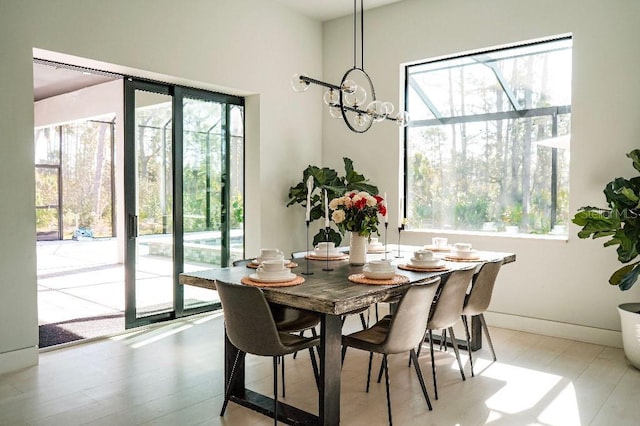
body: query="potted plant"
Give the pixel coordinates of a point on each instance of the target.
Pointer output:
(335, 186)
(620, 223)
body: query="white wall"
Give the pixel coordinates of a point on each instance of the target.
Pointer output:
(564, 282)
(248, 47)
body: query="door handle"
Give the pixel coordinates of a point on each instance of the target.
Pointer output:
(133, 226)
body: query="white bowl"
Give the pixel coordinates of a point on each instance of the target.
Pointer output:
(464, 254)
(324, 253)
(378, 275)
(432, 263)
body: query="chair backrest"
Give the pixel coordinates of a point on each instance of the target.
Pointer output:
(409, 321)
(479, 297)
(447, 308)
(241, 262)
(248, 320)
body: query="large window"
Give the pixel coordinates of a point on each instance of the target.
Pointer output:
(488, 146)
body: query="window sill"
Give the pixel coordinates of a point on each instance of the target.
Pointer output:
(550, 237)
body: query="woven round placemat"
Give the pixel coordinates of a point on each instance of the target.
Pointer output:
(286, 265)
(463, 259)
(408, 267)
(296, 281)
(361, 279)
(312, 256)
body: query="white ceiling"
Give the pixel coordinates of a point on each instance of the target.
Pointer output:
(325, 10)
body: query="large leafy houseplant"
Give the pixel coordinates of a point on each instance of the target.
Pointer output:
(620, 222)
(328, 179)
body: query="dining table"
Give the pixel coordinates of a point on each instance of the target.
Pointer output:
(328, 290)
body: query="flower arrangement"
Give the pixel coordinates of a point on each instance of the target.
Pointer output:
(358, 212)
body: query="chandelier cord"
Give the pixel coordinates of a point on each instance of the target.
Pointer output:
(361, 36)
(354, 34)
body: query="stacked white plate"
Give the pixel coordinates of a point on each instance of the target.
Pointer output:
(271, 277)
(327, 253)
(431, 263)
(464, 254)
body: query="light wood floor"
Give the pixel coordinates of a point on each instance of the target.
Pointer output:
(172, 375)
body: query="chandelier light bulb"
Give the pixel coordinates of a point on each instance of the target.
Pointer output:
(389, 107)
(298, 84)
(348, 87)
(330, 97)
(377, 110)
(357, 98)
(362, 120)
(403, 119)
(335, 111)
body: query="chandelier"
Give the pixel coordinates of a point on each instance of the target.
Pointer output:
(354, 99)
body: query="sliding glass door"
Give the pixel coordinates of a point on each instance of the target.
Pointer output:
(179, 196)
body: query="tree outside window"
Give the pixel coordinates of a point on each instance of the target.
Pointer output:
(488, 146)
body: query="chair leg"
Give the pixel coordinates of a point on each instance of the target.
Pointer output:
(295, 354)
(419, 346)
(486, 332)
(369, 370)
(239, 358)
(314, 365)
(282, 367)
(363, 321)
(380, 372)
(433, 365)
(420, 378)
(275, 390)
(465, 322)
(386, 381)
(452, 337)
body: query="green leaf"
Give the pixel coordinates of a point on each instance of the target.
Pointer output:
(635, 156)
(626, 276)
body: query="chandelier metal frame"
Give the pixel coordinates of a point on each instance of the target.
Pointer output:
(350, 103)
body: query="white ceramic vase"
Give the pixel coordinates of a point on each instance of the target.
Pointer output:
(357, 249)
(630, 325)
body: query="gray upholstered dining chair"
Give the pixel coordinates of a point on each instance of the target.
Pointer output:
(398, 333)
(289, 320)
(445, 312)
(250, 327)
(477, 301)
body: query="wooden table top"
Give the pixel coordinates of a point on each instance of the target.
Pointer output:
(331, 292)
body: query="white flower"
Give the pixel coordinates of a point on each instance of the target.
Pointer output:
(333, 204)
(338, 216)
(371, 201)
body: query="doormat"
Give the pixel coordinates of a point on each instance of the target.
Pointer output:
(79, 328)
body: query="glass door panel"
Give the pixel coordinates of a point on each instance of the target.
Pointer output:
(202, 141)
(154, 198)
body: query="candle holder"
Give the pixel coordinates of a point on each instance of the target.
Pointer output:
(386, 227)
(306, 258)
(326, 238)
(400, 228)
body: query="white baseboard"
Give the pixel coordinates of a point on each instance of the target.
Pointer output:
(580, 333)
(21, 358)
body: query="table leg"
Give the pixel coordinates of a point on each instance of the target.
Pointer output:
(330, 359)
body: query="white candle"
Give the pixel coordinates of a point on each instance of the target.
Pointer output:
(309, 189)
(326, 210)
(386, 209)
(401, 213)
